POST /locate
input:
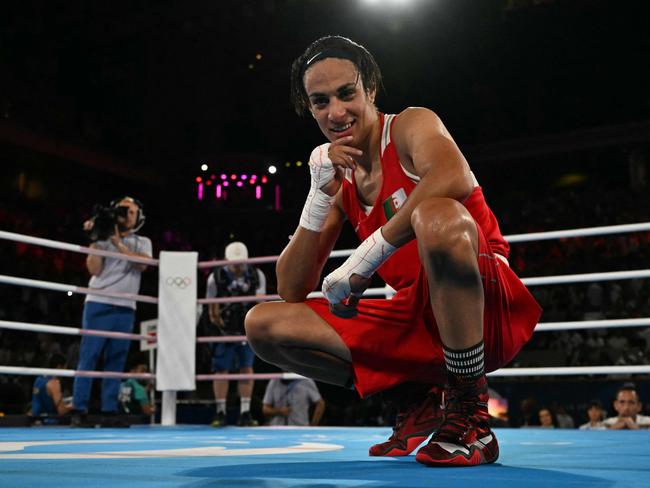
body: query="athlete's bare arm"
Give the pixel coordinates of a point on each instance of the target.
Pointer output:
(301, 262)
(426, 148)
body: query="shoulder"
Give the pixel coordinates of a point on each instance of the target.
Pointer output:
(414, 122)
(416, 116)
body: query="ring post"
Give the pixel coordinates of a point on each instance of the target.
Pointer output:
(168, 415)
(175, 365)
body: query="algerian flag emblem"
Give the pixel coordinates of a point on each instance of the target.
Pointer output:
(393, 203)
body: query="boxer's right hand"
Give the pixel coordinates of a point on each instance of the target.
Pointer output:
(319, 202)
(340, 155)
(321, 168)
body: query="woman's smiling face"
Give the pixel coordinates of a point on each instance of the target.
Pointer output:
(338, 100)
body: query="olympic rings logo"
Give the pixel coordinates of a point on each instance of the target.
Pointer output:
(179, 282)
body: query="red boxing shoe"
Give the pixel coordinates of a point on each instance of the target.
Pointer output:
(465, 437)
(415, 422)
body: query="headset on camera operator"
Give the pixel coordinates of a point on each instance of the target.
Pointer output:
(111, 228)
(122, 219)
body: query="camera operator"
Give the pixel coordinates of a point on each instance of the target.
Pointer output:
(113, 229)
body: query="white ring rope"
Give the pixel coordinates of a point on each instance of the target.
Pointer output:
(541, 327)
(587, 277)
(584, 232)
(571, 371)
(226, 338)
(69, 373)
(592, 324)
(223, 262)
(531, 281)
(11, 236)
(48, 285)
(252, 376)
(237, 299)
(555, 234)
(58, 329)
(533, 236)
(385, 290)
(503, 372)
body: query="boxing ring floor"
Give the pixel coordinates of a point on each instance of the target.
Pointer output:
(197, 456)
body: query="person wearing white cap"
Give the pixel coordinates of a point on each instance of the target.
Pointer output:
(235, 279)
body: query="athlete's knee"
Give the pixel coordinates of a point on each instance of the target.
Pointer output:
(442, 224)
(263, 331)
(258, 324)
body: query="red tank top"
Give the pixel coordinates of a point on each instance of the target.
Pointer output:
(403, 267)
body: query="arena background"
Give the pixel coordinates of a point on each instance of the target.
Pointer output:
(548, 100)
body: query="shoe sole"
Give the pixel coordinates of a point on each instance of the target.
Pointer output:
(476, 459)
(412, 443)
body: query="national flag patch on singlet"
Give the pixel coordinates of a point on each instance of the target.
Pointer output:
(393, 203)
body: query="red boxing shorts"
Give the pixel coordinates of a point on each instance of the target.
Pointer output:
(397, 340)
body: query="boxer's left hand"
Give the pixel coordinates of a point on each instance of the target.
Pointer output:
(345, 285)
(343, 288)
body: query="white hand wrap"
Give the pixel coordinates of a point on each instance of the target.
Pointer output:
(318, 203)
(365, 260)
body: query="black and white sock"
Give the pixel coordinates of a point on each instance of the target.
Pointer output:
(465, 363)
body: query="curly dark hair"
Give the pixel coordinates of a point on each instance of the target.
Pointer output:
(367, 67)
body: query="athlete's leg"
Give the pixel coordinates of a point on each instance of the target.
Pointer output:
(293, 337)
(448, 242)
